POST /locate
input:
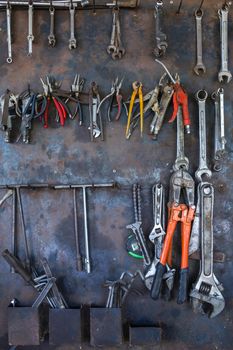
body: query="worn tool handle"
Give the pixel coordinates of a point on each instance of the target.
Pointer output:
(183, 286)
(155, 289)
(17, 265)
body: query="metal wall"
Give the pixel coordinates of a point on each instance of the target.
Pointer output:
(66, 155)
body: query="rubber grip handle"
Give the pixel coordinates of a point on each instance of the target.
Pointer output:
(183, 286)
(155, 289)
(79, 264)
(17, 266)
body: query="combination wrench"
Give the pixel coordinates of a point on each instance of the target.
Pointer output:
(160, 37)
(203, 169)
(30, 36)
(206, 290)
(51, 37)
(72, 40)
(9, 36)
(219, 130)
(199, 67)
(224, 73)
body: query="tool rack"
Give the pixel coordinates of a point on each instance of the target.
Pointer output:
(65, 156)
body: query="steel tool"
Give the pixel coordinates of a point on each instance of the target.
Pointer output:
(51, 37)
(160, 36)
(224, 74)
(30, 37)
(199, 67)
(72, 40)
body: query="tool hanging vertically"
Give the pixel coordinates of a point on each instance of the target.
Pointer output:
(30, 36)
(51, 37)
(160, 36)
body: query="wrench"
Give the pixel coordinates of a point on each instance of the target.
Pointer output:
(30, 36)
(51, 37)
(203, 169)
(224, 73)
(8, 17)
(160, 37)
(137, 230)
(112, 48)
(181, 161)
(200, 67)
(72, 40)
(206, 290)
(219, 132)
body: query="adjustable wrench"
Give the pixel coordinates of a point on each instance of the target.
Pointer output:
(8, 17)
(203, 169)
(160, 37)
(206, 290)
(181, 161)
(224, 73)
(219, 132)
(30, 36)
(51, 37)
(200, 67)
(72, 40)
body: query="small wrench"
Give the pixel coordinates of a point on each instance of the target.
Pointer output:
(51, 37)
(224, 73)
(30, 37)
(72, 40)
(161, 38)
(203, 169)
(9, 39)
(200, 67)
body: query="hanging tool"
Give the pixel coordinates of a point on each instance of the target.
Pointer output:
(96, 129)
(76, 89)
(137, 90)
(51, 37)
(181, 181)
(180, 98)
(114, 94)
(160, 36)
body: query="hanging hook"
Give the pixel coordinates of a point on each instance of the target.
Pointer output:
(201, 4)
(179, 8)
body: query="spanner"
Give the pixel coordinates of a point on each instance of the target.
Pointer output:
(160, 37)
(224, 73)
(205, 291)
(9, 39)
(219, 132)
(51, 37)
(30, 36)
(181, 161)
(203, 169)
(200, 67)
(72, 40)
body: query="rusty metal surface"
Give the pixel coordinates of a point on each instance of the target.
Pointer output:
(66, 155)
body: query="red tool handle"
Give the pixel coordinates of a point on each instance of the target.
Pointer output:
(180, 98)
(119, 104)
(60, 110)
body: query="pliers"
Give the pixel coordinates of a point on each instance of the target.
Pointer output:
(137, 90)
(76, 89)
(180, 181)
(60, 106)
(114, 94)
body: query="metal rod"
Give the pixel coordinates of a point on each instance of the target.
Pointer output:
(78, 255)
(13, 237)
(28, 265)
(86, 234)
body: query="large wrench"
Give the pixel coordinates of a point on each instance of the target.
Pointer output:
(181, 161)
(8, 17)
(206, 290)
(224, 73)
(203, 169)
(72, 40)
(51, 37)
(200, 67)
(160, 37)
(30, 36)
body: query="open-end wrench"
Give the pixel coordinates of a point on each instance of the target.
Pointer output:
(203, 169)
(120, 51)
(51, 37)
(160, 37)
(224, 73)
(200, 67)
(72, 40)
(30, 36)
(205, 292)
(9, 37)
(181, 161)
(112, 48)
